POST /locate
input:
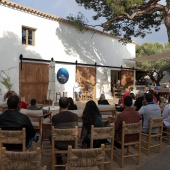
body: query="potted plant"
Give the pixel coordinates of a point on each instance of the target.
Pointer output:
(6, 81)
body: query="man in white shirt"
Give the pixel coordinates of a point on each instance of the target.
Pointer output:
(166, 113)
(77, 90)
(168, 84)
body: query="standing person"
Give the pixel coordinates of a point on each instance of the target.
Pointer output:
(147, 83)
(91, 116)
(155, 100)
(63, 120)
(102, 100)
(12, 119)
(77, 90)
(168, 84)
(118, 85)
(129, 115)
(147, 110)
(71, 106)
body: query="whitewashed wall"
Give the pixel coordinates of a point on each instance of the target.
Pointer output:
(57, 40)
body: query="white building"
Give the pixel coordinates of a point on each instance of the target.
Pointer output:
(51, 36)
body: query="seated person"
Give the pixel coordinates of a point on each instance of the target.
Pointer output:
(12, 119)
(129, 115)
(133, 98)
(71, 106)
(157, 87)
(102, 100)
(63, 120)
(4, 103)
(119, 107)
(118, 85)
(155, 100)
(131, 90)
(166, 113)
(22, 104)
(147, 110)
(91, 116)
(124, 95)
(33, 106)
(139, 100)
(146, 89)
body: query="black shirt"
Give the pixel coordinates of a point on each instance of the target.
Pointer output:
(104, 102)
(72, 107)
(14, 120)
(139, 102)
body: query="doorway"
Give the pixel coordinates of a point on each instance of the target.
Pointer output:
(115, 76)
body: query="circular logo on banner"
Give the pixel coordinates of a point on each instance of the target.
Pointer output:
(62, 75)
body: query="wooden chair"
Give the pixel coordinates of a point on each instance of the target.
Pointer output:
(38, 118)
(150, 143)
(64, 135)
(64, 94)
(110, 121)
(89, 95)
(58, 96)
(166, 133)
(117, 92)
(130, 129)
(46, 132)
(104, 133)
(83, 96)
(47, 102)
(13, 137)
(21, 160)
(85, 158)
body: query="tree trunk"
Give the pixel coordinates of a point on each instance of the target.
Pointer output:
(156, 79)
(167, 20)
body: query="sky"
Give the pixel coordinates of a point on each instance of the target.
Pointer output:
(63, 8)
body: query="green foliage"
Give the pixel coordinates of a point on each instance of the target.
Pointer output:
(6, 81)
(78, 22)
(122, 6)
(155, 67)
(127, 18)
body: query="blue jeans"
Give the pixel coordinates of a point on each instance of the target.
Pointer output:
(29, 144)
(77, 96)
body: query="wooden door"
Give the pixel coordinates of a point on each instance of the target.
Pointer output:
(34, 81)
(127, 78)
(87, 78)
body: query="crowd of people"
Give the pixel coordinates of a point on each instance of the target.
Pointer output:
(134, 107)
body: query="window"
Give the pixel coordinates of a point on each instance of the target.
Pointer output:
(28, 36)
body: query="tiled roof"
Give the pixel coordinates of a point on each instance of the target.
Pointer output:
(46, 15)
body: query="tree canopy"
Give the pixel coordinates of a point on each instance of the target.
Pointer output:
(127, 18)
(156, 69)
